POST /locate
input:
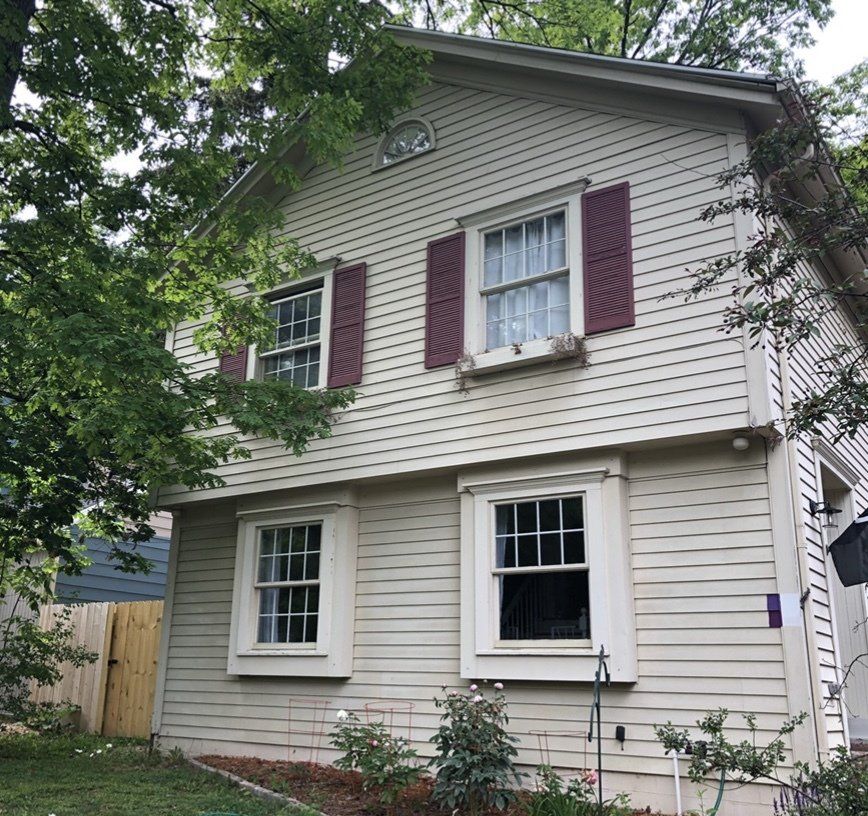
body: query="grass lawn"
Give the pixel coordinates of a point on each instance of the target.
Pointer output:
(64, 776)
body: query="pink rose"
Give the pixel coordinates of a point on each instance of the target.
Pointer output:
(499, 686)
(474, 687)
(477, 698)
(590, 777)
(374, 743)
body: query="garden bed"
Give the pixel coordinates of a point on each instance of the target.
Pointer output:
(332, 791)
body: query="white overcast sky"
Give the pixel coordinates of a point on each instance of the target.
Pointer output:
(841, 44)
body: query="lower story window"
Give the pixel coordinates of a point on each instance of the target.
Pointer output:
(542, 570)
(288, 584)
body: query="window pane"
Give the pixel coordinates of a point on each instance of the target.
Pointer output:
(550, 548)
(495, 334)
(556, 226)
(494, 244)
(573, 513)
(539, 296)
(574, 548)
(526, 513)
(559, 320)
(557, 255)
(505, 551)
(296, 629)
(528, 556)
(514, 237)
(550, 515)
(493, 272)
(544, 606)
(504, 515)
(311, 629)
(494, 307)
(559, 291)
(296, 567)
(311, 569)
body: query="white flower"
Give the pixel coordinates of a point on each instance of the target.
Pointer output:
(499, 686)
(474, 687)
(342, 716)
(78, 751)
(99, 750)
(108, 745)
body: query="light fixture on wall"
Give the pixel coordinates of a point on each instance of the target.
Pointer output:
(827, 511)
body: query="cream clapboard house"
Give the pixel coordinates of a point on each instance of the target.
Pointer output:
(489, 508)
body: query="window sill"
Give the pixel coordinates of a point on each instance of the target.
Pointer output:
(547, 350)
(567, 666)
(289, 664)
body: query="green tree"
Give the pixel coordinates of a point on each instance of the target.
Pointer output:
(733, 34)
(96, 265)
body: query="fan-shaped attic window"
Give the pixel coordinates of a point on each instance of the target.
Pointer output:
(407, 139)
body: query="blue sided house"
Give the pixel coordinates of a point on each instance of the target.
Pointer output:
(103, 582)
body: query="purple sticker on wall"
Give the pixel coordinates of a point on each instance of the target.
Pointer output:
(773, 605)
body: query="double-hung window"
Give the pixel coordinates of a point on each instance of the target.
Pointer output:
(288, 583)
(295, 351)
(526, 280)
(542, 569)
(293, 601)
(545, 565)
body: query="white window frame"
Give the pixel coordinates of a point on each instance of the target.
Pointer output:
(566, 198)
(331, 654)
(323, 274)
(607, 553)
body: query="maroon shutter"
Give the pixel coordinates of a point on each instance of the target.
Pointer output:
(234, 365)
(444, 301)
(608, 259)
(348, 326)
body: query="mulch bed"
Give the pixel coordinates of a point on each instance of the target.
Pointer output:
(334, 792)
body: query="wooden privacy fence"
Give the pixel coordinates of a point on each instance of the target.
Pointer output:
(116, 693)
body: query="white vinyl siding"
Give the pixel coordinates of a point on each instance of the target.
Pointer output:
(673, 373)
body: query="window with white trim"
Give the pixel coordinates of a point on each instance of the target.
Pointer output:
(523, 266)
(293, 600)
(288, 583)
(295, 351)
(542, 569)
(525, 281)
(545, 565)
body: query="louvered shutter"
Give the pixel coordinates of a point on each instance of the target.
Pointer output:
(234, 365)
(444, 301)
(347, 326)
(608, 259)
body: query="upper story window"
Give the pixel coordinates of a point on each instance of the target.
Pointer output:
(407, 139)
(295, 351)
(525, 282)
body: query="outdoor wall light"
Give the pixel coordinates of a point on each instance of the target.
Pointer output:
(824, 509)
(740, 443)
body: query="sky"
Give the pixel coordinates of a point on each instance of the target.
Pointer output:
(841, 44)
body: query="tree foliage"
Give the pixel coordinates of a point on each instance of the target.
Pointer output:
(733, 34)
(96, 265)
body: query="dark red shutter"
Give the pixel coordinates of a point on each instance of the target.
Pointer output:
(608, 259)
(234, 365)
(348, 326)
(444, 301)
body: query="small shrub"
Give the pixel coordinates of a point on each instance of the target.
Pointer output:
(386, 763)
(838, 787)
(475, 753)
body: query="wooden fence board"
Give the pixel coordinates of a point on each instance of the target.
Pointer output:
(116, 693)
(80, 685)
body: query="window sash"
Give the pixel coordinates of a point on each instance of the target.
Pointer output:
(269, 352)
(544, 568)
(528, 281)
